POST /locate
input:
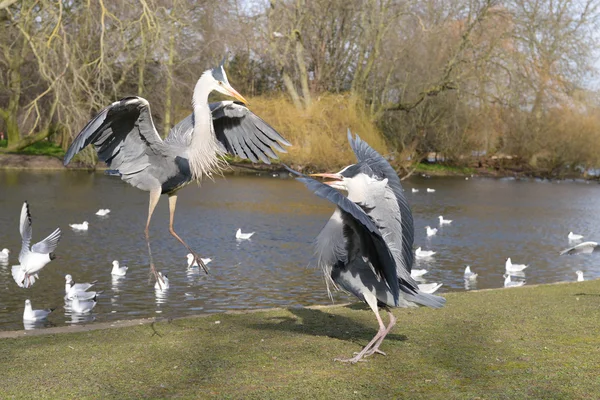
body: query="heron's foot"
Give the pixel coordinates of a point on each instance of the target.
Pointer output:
(199, 261)
(353, 360)
(373, 351)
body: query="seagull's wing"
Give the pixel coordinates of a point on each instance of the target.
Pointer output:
(380, 166)
(25, 230)
(49, 244)
(581, 248)
(124, 136)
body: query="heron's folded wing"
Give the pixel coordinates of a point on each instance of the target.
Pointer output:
(123, 135)
(49, 244)
(25, 230)
(244, 134)
(381, 167)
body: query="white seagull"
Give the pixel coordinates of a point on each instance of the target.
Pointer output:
(82, 295)
(581, 248)
(510, 267)
(31, 315)
(580, 277)
(469, 275)
(509, 283)
(194, 264)
(415, 190)
(71, 287)
(415, 273)
(118, 270)
(34, 259)
(243, 236)
(4, 255)
(162, 283)
(574, 236)
(102, 212)
(444, 221)
(430, 190)
(81, 306)
(423, 253)
(429, 287)
(80, 227)
(430, 231)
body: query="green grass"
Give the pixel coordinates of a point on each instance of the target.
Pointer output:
(42, 148)
(441, 169)
(522, 343)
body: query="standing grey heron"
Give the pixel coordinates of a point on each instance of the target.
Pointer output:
(124, 137)
(366, 246)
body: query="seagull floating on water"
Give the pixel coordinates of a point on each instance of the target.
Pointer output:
(415, 273)
(193, 264)
(118, 270)
(510, 267)
(509, 283)
(430, 190)
(574, 236)
(162, 283)
(580, 277)
(415, 190)
(243, 236)
(81, 306)
(80, 227)
(103, 212)
(71, 287)
(423, 253)
(430, 231)
(470, 275)
(581, 248)
(444, 221)
(4, 255)
(31, 315)
(34, 259)
(429, 288)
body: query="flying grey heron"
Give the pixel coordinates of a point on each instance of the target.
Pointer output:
(366, 246)
(125, 138)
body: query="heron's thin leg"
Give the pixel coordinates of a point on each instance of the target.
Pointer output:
(372, 302)
(375, 348)
(172, 204)
(154, 197)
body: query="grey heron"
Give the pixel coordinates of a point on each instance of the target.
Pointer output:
(125, 138)
(33, 259)
(366, 246)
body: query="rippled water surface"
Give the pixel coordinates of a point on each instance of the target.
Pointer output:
(492, 219)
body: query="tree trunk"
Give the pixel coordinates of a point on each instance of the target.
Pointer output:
(169, 88)
(302, 69)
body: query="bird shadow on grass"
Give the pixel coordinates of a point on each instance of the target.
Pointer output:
(587, 294)
(315, 322)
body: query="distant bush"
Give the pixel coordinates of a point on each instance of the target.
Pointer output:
(43, 148)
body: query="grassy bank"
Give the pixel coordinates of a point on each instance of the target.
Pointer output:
(530, 342)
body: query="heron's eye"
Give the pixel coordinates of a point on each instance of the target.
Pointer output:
(220, 83)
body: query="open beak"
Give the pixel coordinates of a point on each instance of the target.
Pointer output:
(234, 93)
(336, 178)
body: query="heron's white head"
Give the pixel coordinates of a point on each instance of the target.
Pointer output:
(358, 180)
(218, 82)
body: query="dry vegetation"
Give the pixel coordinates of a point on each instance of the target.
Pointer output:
(451, 77)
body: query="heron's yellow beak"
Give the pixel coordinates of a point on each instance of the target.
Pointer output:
(234, 93)
(336, 178)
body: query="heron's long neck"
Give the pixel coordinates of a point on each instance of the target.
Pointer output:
(204, 150)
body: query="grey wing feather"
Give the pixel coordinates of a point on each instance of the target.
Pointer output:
(25, 230)
(49, 244)
(380, 166)
(581, 248)
(123, 134)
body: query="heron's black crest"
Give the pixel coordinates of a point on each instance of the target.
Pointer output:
(358, 168)
(219, 72)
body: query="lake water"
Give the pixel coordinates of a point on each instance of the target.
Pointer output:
(492, 220)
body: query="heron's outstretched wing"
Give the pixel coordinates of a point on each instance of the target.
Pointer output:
(25, 230)
(49, 244)
(581, 248)
(372, 244)
(380, 166)
(123, 134)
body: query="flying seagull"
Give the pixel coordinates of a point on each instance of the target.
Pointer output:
(34, 259)
(125, 138)
(581, 248)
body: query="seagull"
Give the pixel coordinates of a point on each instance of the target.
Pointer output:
(574, 236)
(581, 248)
(415, 273)
(510, 267)
(162, 283)
(423, 253)
(80, 227)
(243, 236)
(431, 232)
(580, 277)
(444, 221)
(429, 287)
(469, 275)
(102, 212)
(415, 190)
(82, 295)
(192, 263)
(71, 287)
(34, 259)
(117, 270)
(31, 315)
(4, 255)
(81, 306)
(430, 190)
(509, 283)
